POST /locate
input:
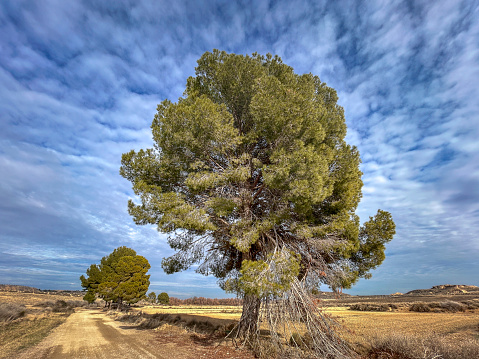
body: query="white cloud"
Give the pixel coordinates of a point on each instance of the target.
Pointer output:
(80, 83)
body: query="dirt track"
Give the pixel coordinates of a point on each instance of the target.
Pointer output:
(92, 334)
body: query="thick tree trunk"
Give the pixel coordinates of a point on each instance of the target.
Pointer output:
(249, 321)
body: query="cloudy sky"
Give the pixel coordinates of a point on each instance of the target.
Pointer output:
(79, 85)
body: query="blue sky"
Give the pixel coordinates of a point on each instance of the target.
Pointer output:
(79, 85)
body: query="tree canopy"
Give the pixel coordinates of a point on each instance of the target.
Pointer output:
(251, 160)
(120, 277)
(152, 297)
(252, 178)
(163, 298)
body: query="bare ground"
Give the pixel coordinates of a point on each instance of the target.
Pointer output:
(93, 334)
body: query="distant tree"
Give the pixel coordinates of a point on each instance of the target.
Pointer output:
(152, 297)
(120, 277)
(163, 298)
(252, 177)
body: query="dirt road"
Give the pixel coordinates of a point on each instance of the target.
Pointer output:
(92, 334)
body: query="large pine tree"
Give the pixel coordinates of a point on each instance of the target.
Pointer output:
(253, 180)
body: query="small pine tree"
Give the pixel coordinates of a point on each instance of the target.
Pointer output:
(120, 277)
(152, 297)
(163, 298)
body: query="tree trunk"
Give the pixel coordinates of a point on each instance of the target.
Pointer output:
(249, 321)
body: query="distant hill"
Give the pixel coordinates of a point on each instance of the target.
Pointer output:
(446, 289)
(330, 295)
(26, 289)
(18, 288)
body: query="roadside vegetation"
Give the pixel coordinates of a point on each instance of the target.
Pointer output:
(397, 346)
(26, 319)
(397, 333)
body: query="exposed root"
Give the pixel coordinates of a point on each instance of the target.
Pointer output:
(291, 326)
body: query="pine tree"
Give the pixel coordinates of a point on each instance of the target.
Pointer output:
(163, 298)
(120, 277)
(152, 297)
(253, 180)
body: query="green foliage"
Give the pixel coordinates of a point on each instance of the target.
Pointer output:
(152, 297)
(163, 298)
(271, 276)
(120, 277)
(252, 162)
(89, 296)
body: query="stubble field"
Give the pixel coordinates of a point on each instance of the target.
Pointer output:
(397, 326)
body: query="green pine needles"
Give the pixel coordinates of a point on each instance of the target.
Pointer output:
(119, 278)
(250, 162)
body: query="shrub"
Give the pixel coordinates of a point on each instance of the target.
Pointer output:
(61, 306)
(130, 318)
(163, 298)
(152, 321)
(471, 304)
(420, 307)
(302, 341)
(11, 311)
(448, 306)
(264, 349)
(45, 304)
(372, 307)
(89, 297)
(202, 326)
(433, 347)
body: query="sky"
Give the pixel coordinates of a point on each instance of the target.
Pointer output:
(79, 85)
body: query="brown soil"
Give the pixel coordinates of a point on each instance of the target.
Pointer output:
(92, 334)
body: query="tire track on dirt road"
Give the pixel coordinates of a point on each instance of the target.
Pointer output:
(92, 334)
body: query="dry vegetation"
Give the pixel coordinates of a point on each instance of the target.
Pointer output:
(27, 318)
(430, 325)
(379, 327)
(402, 327)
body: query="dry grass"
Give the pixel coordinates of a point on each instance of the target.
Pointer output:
(431, 347)
(220, 311)
(411, 335)
(27, 318)
(455, 334)
(31, 299)
(364, 329)
(454, 325)
(18, 335)
(11, 311)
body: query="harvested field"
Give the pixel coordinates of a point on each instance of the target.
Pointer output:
(31, 299)
(395, 327)
(405, 322)
(213, 312)
(366, 325)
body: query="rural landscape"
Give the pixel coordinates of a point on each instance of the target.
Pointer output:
(440, 322)
(268, 179)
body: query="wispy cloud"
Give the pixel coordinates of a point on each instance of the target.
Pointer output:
(79, 84)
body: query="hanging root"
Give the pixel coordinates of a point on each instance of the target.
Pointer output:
(291, 326)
